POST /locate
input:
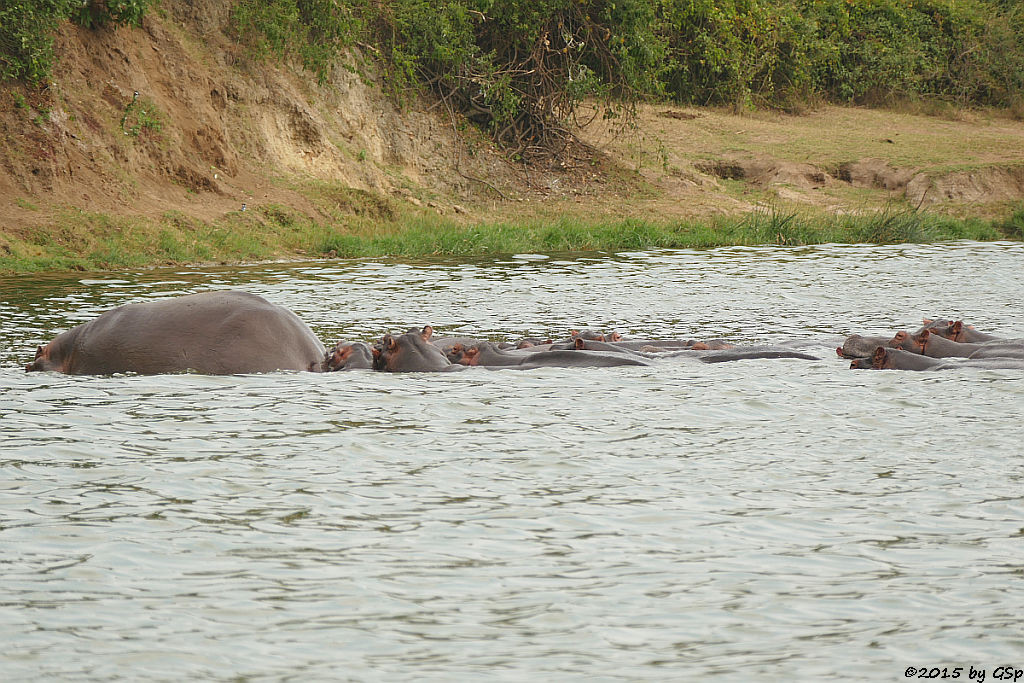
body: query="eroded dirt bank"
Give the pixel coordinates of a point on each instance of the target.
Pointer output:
(173, 119)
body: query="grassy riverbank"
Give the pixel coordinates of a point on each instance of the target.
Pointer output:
(118, 162)
(92, 241)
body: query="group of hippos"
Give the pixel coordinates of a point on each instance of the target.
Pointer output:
(231, 332)
(937, 345)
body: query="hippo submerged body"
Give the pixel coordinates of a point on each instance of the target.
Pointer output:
(214, 333)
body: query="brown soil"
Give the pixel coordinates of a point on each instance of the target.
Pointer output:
(232, 131)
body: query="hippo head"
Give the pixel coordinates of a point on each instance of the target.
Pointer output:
(934, 323)
(858, 346)
(349, 356)
(879, 360)
(910, 342)
(47, 359)
(954, 331)
(409, 352)
(471, 356)
(458, 353)
(592, 335)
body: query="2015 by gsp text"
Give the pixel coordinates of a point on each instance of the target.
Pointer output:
(968, 673)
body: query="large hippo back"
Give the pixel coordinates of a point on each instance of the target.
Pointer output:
(216, 333)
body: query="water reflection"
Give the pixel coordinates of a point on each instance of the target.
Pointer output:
(770, 519)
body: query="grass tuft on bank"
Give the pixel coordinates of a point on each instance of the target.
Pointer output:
(81, 240)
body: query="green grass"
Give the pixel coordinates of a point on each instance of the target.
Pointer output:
(90, 241)
(440, 237)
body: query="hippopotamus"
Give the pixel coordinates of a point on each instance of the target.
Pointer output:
(528, 342)
(350, 356)
(750, 353)
(213, 333)
(581, 344)
(858, 346)
(897, 359)
(933, 345)
(487, 354)
(410, 352)
(956, 331)
(663, 345)
(594, 335)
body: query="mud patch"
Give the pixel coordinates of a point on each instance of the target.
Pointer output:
(766, 172)
(983, 184)
(874, 174)
(193, 180)
(680, 115)
(726, 170)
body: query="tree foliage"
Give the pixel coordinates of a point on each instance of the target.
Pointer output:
(521, 68)
(863, 51)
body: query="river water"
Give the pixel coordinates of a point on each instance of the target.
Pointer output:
(764, 520)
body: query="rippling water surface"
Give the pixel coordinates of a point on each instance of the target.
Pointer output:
(766, 519)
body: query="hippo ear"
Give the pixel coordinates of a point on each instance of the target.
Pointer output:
(615, 336)
(427, 332)
(39, 352)
(574, 333)
(389, 343)
(878, 358)
(579, 344)
(926, 321)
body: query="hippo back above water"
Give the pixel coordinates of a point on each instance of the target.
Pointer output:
(215, 333)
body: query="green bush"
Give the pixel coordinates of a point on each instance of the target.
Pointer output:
(745, 52)
(27, 27)
(316, 32)
(739, 52)
(92, 13)
(26, 38)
